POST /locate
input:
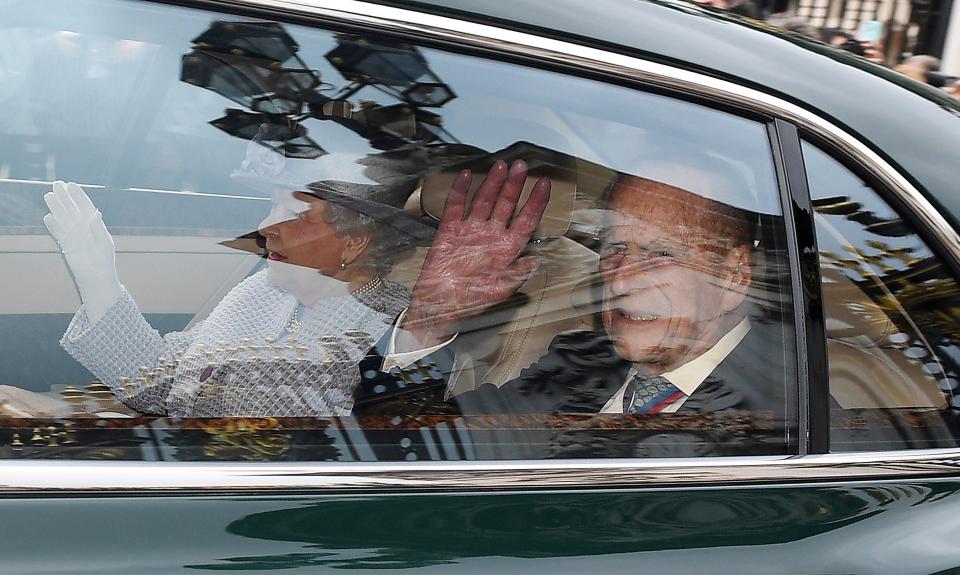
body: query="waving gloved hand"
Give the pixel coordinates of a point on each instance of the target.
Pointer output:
(86, 244)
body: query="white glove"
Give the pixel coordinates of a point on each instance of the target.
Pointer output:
(86, 245)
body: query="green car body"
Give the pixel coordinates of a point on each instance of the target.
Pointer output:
(811, 512)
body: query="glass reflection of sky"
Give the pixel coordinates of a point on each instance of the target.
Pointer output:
(93, 95)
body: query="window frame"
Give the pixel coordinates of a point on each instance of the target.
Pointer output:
(177, 478)
(807, 288)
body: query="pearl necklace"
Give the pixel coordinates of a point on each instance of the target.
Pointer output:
(294, 324)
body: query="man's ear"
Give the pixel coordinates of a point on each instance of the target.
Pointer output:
(353, 247)
(739, 275)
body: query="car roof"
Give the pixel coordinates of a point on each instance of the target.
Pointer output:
(915, 127)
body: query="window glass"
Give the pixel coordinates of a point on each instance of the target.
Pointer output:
(294, 244)
(891, 317)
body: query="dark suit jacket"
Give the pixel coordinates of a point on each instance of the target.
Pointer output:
(738, 410)
(579, 373)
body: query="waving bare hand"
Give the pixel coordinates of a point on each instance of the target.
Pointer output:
(475, 261)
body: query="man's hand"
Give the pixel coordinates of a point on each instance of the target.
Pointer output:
(474, 261)
(86, 244)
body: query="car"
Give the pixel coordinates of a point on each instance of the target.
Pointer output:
(186, 123)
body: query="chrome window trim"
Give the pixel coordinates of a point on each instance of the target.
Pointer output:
(53, 478)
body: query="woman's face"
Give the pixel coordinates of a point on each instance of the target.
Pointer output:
(297, 233)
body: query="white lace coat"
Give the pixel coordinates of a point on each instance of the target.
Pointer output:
(241, 360)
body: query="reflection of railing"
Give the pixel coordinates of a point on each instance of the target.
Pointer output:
(389, 438)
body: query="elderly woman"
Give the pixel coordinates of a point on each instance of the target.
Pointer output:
(284, 342)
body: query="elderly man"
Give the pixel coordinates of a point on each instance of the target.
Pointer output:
(675, 268)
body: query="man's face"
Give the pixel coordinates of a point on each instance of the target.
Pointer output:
(668, 281)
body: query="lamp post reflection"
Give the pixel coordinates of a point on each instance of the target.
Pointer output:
(256, 65)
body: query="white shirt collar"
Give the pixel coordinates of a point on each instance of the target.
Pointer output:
(690, 375)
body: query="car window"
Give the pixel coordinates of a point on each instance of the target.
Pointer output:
(890, 309)
(238, 239)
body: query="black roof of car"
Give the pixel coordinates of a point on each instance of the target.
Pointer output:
(914, 126)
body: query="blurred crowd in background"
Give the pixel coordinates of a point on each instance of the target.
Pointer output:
(866, 41)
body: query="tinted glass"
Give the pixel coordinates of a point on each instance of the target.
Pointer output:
(891, 316)
(272, 198)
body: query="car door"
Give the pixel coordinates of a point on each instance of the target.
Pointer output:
(184, 125)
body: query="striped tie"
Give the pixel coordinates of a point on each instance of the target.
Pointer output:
(649, 394)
